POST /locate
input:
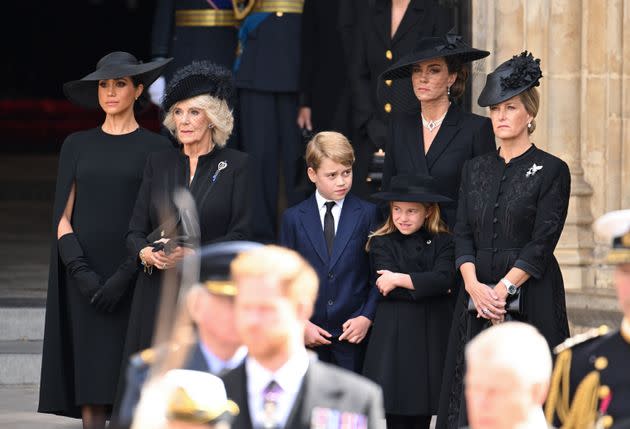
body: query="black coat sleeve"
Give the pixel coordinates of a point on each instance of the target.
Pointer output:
(382, 258)
(464, 238)
(140, 222)
(162, 31)
(551, 213)
(363, 101)
(439, 279)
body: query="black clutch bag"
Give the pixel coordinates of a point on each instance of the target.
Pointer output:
(514, 303)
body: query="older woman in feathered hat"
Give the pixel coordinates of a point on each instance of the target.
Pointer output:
(512, 207)
(197, 103)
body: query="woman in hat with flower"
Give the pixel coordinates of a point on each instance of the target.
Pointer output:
(90, 273)
(197, 102)
(430, 133)
(512, 207)
(412, 256)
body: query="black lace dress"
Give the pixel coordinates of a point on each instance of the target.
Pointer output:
(508, 215)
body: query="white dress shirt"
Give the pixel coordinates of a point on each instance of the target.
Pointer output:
(321, 206)
(289, 377)
(217, 365)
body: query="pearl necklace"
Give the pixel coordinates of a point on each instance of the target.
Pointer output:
(431, 125)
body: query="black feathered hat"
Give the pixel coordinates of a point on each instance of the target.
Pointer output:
(112, 66)
(197, 78)
(412, 188)
(514, 76)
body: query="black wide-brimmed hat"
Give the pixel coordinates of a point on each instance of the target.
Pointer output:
(214, 265)
(112, 66)
(514, 76)
(198, 78)
(449, 45)
(412, 188)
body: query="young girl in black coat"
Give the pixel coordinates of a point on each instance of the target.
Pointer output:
(412, 256)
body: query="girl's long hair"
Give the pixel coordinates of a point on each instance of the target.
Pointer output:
(433, 223)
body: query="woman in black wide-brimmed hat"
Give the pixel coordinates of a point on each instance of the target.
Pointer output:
(90, 273)
(430, 133)
(412, 256)
(512, 207)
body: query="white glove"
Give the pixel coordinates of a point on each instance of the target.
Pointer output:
(156, 91)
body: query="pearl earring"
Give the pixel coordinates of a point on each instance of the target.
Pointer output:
(529, 125)
(448, 91)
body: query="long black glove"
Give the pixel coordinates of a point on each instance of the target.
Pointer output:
(116, 286)
(88, 281)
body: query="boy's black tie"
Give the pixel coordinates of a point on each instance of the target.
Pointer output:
(329, 226)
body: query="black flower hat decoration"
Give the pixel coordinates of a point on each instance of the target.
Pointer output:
(512, 77)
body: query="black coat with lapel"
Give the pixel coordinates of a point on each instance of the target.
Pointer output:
(461, 137)
(324, 386)
(372, 41)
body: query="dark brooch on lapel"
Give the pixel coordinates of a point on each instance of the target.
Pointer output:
(222, 166)
(525, 72)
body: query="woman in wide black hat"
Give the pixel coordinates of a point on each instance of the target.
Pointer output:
(512, 207)
(430, 133)
(198, 112)
(90, 273)
(412, 256)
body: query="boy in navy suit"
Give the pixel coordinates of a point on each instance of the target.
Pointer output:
(330, 229)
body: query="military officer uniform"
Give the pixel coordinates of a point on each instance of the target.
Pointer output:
(191, 30)
(267, 75)
(590, 385)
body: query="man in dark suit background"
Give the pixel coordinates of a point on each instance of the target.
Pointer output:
(279, 384)
(210, 304)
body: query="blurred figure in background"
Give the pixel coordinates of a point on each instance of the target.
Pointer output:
(594, 365)
(507, 378)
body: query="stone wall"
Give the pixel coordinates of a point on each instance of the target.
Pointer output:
(584, 47)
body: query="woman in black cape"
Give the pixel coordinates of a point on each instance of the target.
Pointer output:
(87, 306)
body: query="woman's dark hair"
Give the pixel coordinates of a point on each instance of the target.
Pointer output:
(143, 101)
(455, 65)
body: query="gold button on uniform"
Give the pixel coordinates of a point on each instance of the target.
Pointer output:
(388, 54)
(279, 14)
(603, 391)
(388, 82)
(388, 107)
(601, 363)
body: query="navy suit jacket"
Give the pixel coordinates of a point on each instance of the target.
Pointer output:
(346, 287)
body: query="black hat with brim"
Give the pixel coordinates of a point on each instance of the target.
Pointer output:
(432, 47)
(214, 265)
(199, 78)
(84, 91)
(412, 189)
(514, 76)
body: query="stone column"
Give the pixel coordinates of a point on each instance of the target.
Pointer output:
(565, 128)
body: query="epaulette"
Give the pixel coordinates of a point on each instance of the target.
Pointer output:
(583, 408)
(581, 338)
